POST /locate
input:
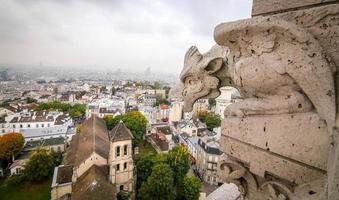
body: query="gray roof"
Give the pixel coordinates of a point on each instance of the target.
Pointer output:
(93, 137)
(94, 184)
(164, 129)
(64, 174)
(120, 132)
(44, 142)
(225, 192)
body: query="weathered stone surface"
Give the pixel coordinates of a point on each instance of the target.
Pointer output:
(284, 65)
(322, 23)
(261, 162)
(301, 137)
(261, 7)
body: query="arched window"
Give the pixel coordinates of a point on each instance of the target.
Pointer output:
(125, 165)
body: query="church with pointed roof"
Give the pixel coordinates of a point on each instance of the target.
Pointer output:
(98, 163)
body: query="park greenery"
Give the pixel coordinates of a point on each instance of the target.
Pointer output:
(10, 145)
(162, 102)
(211, 120)
(163, 176)
(39, 167)
(31, 100)
(76, 110)
(133, 120)
(191, 187)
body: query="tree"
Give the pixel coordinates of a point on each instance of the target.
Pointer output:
(212, 120)
(123, 195)
(211, 102)
(167, 89)
(161, 102)
(31, 100)
(133, 120)
(157, 85)
(39, 166)
(191, 188)
(113, 91)
(159, 185)
(77, 110)
(178, 160)
(57, 157)
(103, 89)
(144, 168)
(11, 144)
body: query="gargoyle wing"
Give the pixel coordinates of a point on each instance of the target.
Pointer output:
(293, 50)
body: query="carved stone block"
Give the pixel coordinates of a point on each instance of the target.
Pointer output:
(292, 147)
(301, 136)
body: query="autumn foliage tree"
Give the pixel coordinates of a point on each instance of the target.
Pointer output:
(10, 145)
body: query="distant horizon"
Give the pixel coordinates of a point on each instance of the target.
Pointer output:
(122, 34)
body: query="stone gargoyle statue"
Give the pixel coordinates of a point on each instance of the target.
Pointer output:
(277, 67)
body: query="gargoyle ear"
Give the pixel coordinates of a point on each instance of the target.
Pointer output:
(214, 65)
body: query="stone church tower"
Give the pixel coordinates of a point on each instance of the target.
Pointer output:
(120, 158)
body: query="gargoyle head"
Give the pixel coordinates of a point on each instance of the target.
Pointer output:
(199, 77)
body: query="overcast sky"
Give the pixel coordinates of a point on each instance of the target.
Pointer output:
(113, 34)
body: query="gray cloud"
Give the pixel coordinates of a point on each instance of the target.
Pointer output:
(111, 33)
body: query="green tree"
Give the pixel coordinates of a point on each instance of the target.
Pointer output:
(133, 120)
(144, 168)
(212, 120)
(178, 160)
(10, 145)
(77, 110)
(157, 85)
(161, 102)
(31, 100)
(211, 102)
(167, 89)
(39, 166)
(113, 91)
(159, 185)
(103, 89)
(57, 157)
(4, 103)
(191, 188)
(123, 195)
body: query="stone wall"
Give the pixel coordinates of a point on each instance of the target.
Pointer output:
(319, 17)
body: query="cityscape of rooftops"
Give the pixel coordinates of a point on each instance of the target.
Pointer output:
(159, 100)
